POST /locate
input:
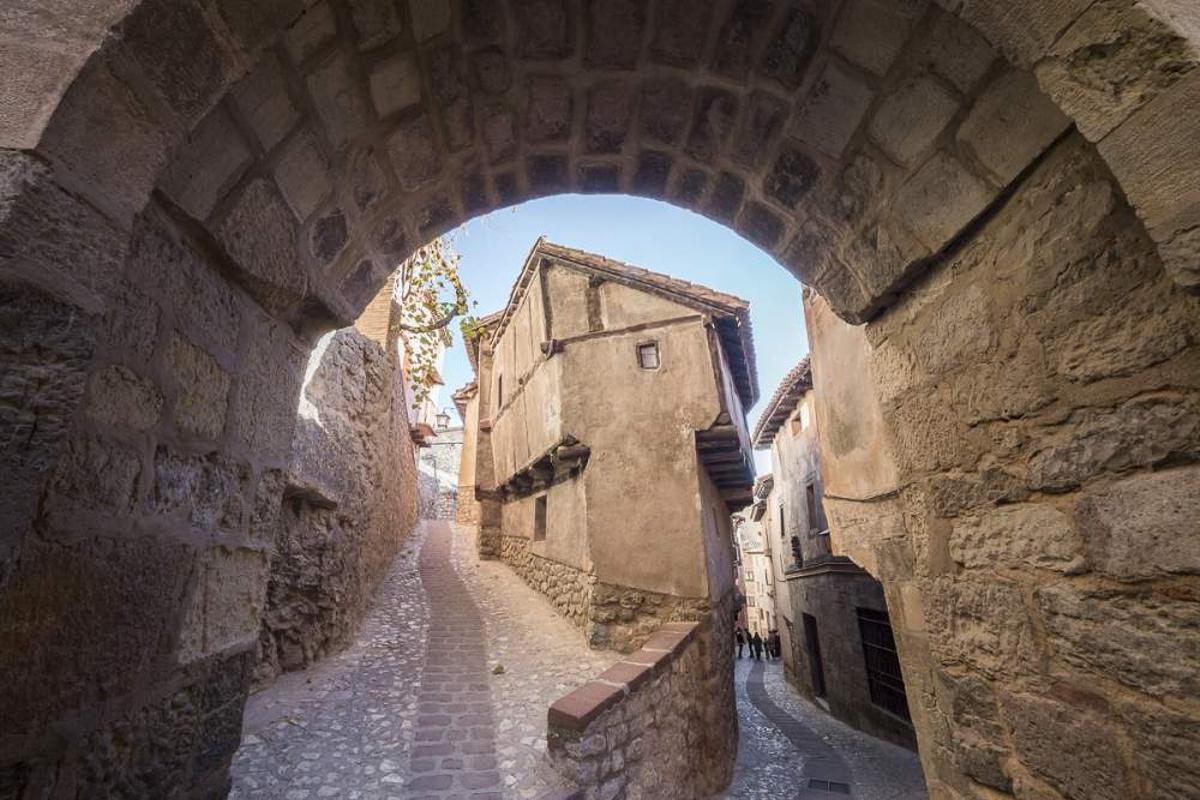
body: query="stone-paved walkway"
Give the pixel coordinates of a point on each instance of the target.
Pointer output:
(787, 742)
(445, 690)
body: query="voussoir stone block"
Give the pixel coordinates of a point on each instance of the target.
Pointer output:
(1011, 124)
(713, 117)
(614, 33)
(259, 233)
(665, 109)
(791, 50)
(413, 152)
(548, 116)
(545, 28)
(212, 158)
(791, 177)
(256, 24)
(208, 491)
(870, 33)
(263, 102)
(680, 28)
(956, 51)
(940, 199)
(430, 17)
(610, 106)
(833, 110)
(338, 99)
(910, 119)
(302, 175)
(375, 21)
(311, 32)
(395, 84)
(738, 35)
(763, 122)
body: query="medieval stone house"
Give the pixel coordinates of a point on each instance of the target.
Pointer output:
(837, 641)
(612, 441)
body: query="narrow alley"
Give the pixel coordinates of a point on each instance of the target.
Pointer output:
(444, 694)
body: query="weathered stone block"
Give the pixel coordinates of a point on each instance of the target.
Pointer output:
(1144, 639)
(267, 391)
(790, 51)
(833, 110)
(185, 61)
(259, 233)
(545, 28)
(761, 225)
(614, 33)
(548, 115)
(940, 199)
(740, 32)
(610, 106)
(263, 102)
(1164, 748)
(328, 235)
(311, 32)
(983, 624)
(713, 117)
(490, 70)
(376, 21)
(211, 160)
(413, 152)
(680, 28)
(96, 474)
(208, 491)
(599, 178)
(1011, 124)
(256, 24)
(1143, 526)
(761, 125)
(727, 193)
(499, 129)
(870, 33)
(430, 18)
(1022, 29)
(54, 236)
(547, 173)
(1015, 537)
(119, 397)
(302, 174)
(666, 104)
(791, 177)
(1139, 434)
(124, 166)
(956, 51)
(338, 99)
(483, 21)
(910, 119)
(1040, 727)
(203, 389)
(689, 186)
(395, 84)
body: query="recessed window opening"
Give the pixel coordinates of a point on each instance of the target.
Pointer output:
(539, 519)
(648, 355)
(884, 679)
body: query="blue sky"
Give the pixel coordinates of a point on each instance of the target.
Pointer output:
(646, 233)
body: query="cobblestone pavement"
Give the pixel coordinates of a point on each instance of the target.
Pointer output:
(344, 727)
(445, 690)
(786, 741)
(543, 658)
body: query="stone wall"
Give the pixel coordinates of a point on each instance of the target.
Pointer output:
(1040, 391)
(613, 617)
(659, 725)
(440, 460)
(348, 504)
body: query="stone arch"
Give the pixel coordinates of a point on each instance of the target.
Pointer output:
(187, 205)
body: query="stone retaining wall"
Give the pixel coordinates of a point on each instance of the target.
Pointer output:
(660, 724)
(349, 502)
(568, 588)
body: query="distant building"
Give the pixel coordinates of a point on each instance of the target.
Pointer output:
(757, 575)
(611, 440)
(438, 468)
(837, 639)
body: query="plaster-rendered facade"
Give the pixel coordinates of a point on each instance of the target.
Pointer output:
(597, 492)
(837, 644)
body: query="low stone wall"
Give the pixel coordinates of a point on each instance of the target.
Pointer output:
(349, 502)
(568, 588)
(621, 618)
(660, 724)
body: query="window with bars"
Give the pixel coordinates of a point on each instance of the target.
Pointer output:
(539, 519)
(884, 679)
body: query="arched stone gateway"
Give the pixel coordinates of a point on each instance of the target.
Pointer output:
(1007, 190)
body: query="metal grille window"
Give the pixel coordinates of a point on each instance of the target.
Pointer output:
(539, 519)
(648, 355)
(884, 679)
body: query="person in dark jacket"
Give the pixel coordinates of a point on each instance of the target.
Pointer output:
(740, 638)
(776, 644)
(756, 646)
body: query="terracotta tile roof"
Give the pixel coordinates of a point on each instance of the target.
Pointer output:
(486, 323)
(782, 403)
(730, 314)
(462, 396)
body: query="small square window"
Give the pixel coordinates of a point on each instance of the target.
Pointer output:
(648, 355)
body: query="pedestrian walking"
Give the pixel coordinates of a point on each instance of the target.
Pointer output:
(756, 646)
(740, 638)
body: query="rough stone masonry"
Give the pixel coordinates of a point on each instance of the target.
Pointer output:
(1005, 190)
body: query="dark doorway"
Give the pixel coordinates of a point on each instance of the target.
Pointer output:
(812, 643)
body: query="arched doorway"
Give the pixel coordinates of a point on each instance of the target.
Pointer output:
(1007, 194)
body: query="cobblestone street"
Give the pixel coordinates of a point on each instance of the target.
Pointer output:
(444, 694)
